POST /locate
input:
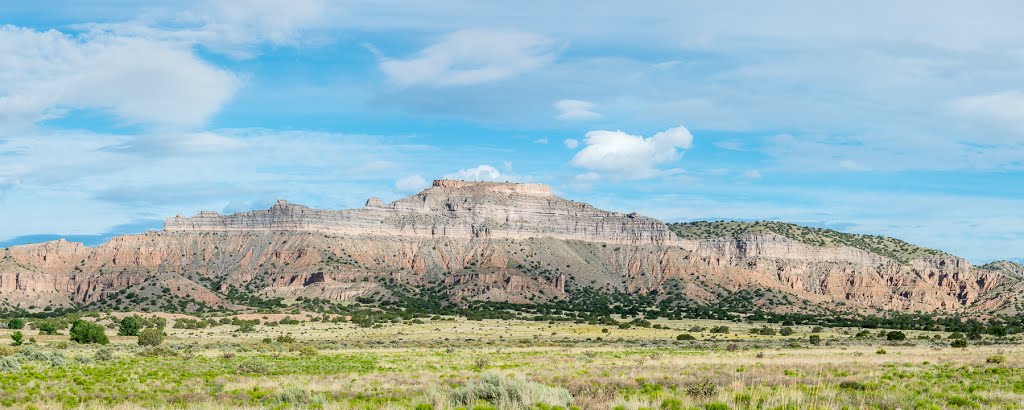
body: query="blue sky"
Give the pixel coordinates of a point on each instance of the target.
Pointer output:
(899, 119)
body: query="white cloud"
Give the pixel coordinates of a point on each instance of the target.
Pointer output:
(178, 144)
(575, 110)
(853, 165)
(470, 57)
(752, 174)
(541, 140)
(632, 156)
(1001, 110)
(43, 74)
(234, 28)
(729, 145)
(411, 184)
(571, 143)
(482, 173)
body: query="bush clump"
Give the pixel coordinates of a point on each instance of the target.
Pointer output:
(685, 336)
(502, 392)
(151, 337)
(85, 332)
(130, 326)
(997, 359)
(9, 364)
(703, 388)
(253, 365)
(16, 324)
(961, 343)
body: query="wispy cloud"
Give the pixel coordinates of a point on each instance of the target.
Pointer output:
(470, 57)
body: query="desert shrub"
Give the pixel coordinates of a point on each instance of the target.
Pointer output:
(703, 388)
(786, 331)
(130, 326)
(307, 350)
(671, 404)
(286, 338)
(52, 357)
(880, 351)
(103, 355)
(16, 324)
(47, 327)
(997, 359)
(296, 396)
(817, 329)
(253, 365)
(961, 343)
(685, 336)
(720, 329)
(7, 350)
(697, 329)
(84, 332)
(895, 336)
(9, 364)
(814, 339)
(500, 391)
(151, 337)
(852, 385)
(18, 339)
(956, 335)
(158, 351)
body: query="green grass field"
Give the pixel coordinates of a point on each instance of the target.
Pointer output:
(456, 363)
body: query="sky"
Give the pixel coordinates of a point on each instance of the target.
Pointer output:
(903, 119)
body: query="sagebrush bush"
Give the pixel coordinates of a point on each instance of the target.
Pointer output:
(997, 359)
(502, 392)
(253, 365)
(104, 355)
(9, 364)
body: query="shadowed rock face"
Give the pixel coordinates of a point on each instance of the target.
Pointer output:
(492, 241)
(453, 209)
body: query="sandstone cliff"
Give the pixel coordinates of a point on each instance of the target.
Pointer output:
(450, 209)
(490, 241)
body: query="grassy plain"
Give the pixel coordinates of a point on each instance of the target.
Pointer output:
(456, 363)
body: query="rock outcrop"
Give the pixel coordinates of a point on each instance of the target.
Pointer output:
(489, 241)
(449, 209)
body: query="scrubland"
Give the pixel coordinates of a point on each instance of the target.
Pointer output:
(455, 363)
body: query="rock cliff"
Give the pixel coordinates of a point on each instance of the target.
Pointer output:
(450, 209)
(493, 241)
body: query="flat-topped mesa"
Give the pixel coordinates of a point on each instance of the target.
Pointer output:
(500, 187)
(456, 209)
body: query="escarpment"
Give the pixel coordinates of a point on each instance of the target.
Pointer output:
(453, 209)
(505, 242)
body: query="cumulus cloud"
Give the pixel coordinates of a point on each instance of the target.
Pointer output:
(482, 173)
(44, 74)
(575, 110)
(470, 57)
(571, 143)
(411, 184)
(632, 156)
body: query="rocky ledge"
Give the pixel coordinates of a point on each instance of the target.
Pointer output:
(455, 209)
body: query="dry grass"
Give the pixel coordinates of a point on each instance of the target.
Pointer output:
(404, 365)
